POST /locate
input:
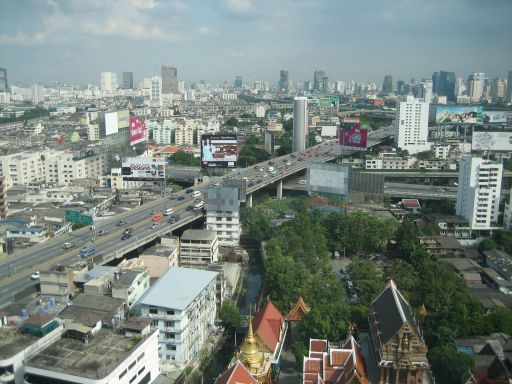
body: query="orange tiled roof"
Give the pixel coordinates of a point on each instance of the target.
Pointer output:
(237, 374)
(267, 323)
(300, 310)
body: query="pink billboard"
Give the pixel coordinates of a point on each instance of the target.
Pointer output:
(355, 137)
(137, 130)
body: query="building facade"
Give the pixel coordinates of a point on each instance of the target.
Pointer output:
(411, 125)
(127, 80)
(108, 81)
(182, 305)
(478, 195)
(223, 214)
(199, 246)
(169, 79)
(300, 124)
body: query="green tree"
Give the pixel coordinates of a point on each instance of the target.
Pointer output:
(255, 223)
(288, 125)
(230, 315)
(184, 158)
(486, 245)
(449, 365)
(500, 320)
(231, 122)
(426, 155)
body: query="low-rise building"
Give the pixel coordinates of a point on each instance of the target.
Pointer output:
(131, 285)
(500, 261)
(108, 357)
(26, 235)
(441, 246)
(182, 305)
(160, 258)
(450, 225)
(199, 246)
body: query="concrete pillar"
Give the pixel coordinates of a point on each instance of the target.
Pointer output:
(387, 375)
(409, 372)
(280, 189)
(249, 200)
(397, 376)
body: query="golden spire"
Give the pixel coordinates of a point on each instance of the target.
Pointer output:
(250, 356)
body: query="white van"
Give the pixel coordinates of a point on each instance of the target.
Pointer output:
(196, 193)
(198, 206)
(270, 169)
(302, 182)
(168, 211)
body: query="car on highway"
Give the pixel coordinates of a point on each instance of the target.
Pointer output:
(126, 236)
(155, 225)
(198, 205)
(35, 276)
(157, 217)
(196, 193)
(153, 211)
(180, 198)
(103, 232)
(293, 155)
(189, 190)
(288, 163)
(173, 219)
(68, 245)
(168, 212)
(120, 223)
(190, 208)
(128, 231)
(87, 251)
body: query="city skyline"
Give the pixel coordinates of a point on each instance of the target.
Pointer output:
(65, 41)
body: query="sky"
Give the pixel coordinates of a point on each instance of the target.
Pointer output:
(215, 40)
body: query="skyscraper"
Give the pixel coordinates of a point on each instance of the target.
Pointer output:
(127, 80)
(387, 85)
(425, 90)
(509, 87)
(108, 81)
(476, 86)
(411, 125)
(498, 88)
(443, 84)
(325, 84)
(317, 80)
(300, 123)
(37, 94)
(239, 81)
(478, 195)
(156, 90)
(169, 79)
(284, 82)
(3, 80)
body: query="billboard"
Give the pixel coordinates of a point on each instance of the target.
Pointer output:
(218, 151)
(459, 114)
(111, 125)
(492, 141)
(324, 101)
(329, 131)
(491, 117)
(269, 143)
(123, 119)
(353, 134)
(143, 168)
(137, 130)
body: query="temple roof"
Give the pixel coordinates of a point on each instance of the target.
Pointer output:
(300, 310)
(267, 323)
(392, 311)
(237, 374)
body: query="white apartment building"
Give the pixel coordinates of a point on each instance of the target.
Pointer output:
(507, 214)
(49, 166)
(108, 81)
(223, 214)
(442, 151)
(411, 125)
(108, 357)
(162, 133)
(156, 91)
(37, 94)
(184, 131)
(182, 305)
(478, 196)
(476, 86)
(131, 285)
(198, 246)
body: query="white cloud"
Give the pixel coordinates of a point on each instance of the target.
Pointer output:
(237, 6)
(207, 31)
(237, 54)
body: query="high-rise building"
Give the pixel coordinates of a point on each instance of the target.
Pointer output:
(498, 90)
(425, 90)
(300, 124)
(400, 84)
(239, 81)
(3, 80)
(325, 84)
(156, 90)
(443, 84)
(127, 80)
(476, 86)
(222, 207)
(478, 195)
(460, 87)
(108, 81)
(169, 79)
(387, 85)
(509, 87)
(340, 87)
(37, 94)
(411, 125)
(284, 82)
(317, 80)
(308, 86)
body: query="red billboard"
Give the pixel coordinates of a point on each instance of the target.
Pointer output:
(137, 130)
(352, 136)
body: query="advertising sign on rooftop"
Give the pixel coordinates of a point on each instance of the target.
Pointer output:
(495, 117)
(143, 168)
(111, 123)
(459, 114)
(492, 141)
(137, 130)
(218, 151)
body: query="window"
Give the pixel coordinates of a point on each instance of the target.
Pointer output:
(141, 370)
(133, 379)
(170, 312)
(140, 357)
(132, 364)
(153, 311)
(173, 347)
(121, 375)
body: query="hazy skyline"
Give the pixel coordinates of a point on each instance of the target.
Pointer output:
(214, 40)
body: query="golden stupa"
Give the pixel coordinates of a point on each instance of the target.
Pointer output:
(250, 356)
